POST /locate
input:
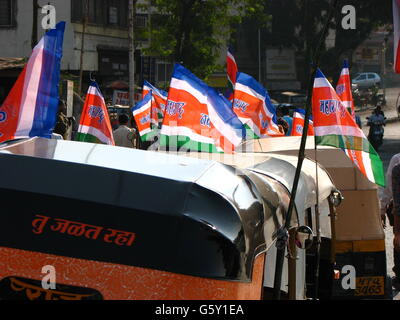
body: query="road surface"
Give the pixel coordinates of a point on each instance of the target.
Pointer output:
(391, 146)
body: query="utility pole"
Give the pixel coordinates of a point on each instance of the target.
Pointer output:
(34, 38)
(383, 82)
(131, 34)
(259, 55)
(85, 18)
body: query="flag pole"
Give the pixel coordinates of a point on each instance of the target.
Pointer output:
(283, 234)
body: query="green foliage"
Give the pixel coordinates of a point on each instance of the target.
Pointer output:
(298, 23)
(193, 31)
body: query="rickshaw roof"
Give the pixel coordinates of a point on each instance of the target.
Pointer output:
(281, 168)
(116, 158)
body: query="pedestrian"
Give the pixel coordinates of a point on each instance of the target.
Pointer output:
(124, 136)
(387, 194)
(395, 182)
(387, 209)
(62, 122)
(284, 120)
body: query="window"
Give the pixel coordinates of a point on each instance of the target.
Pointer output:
(102, 12)
(117, 12)
(95, 11)
(7, 10)
(141, 21)
(164, 71)
(371, 76)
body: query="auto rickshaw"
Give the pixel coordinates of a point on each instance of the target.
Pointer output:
(119, 223)
(358, 238)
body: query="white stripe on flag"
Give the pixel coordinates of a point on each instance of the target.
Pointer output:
(155, 91)
(347, 104)
(145, 131)
(142, 109)
(345, 72)
(95, 132)
(185, 86)
(231, 57)
(322, 83)
(339, 130)
(367, 165)
(30, 91)
(94, 91)
(225, 129)
(251, 92)
(187, 132)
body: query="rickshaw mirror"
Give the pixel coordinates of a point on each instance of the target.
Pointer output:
(336, 198)
(304, 237)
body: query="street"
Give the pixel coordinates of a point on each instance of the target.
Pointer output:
(391, 146)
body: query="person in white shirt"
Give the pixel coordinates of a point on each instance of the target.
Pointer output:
(387, 194)
(124, 136)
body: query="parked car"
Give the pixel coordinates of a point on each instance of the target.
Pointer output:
(367, 80)
(289, 97)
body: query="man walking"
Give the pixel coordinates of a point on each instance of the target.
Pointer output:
(124, 136)
(396, 225)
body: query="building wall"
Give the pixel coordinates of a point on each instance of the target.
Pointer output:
(18, 38)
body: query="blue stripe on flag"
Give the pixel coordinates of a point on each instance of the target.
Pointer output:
(252, 83)
(319, 74)
(222, 108)
(48, 90)
(303, 112)
(181, 73)
(143, 102)
(153, 88)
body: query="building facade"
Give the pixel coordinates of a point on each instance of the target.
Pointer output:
(106, 43)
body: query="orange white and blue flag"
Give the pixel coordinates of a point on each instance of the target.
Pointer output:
(95, 124)
(335, 127)
(298, 124)
(232, 71)
(158, 102)
(31, 107)
(142, 114)
(343, 89)
(197, 118)
(254, 108)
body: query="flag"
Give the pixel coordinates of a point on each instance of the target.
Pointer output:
(31, 107)
(142, 114)
(298, 124)
(343, 89)
(197, 118)
(396, 29)
(158, 102)
(334, 126)
(254, 108)
(232, 71)
(95, 125)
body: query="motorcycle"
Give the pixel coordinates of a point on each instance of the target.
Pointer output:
(376, 131)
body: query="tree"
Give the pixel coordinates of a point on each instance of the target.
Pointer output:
(298, 24)
(192, 31)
